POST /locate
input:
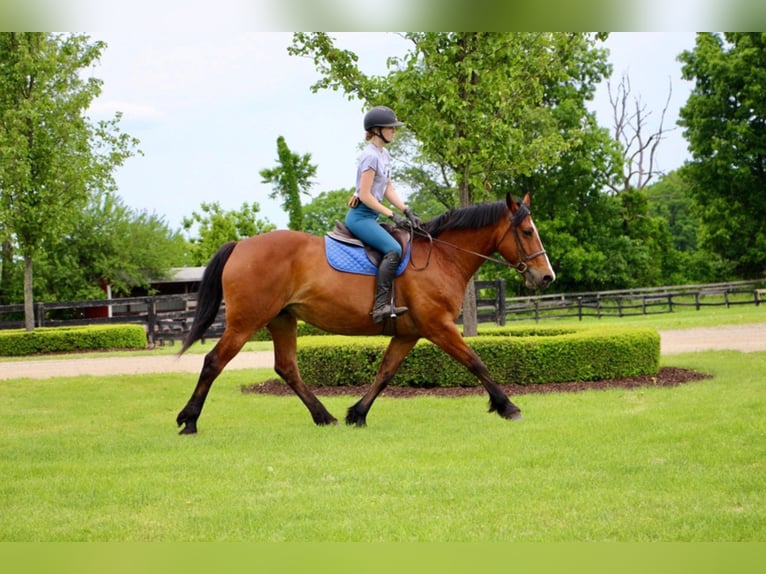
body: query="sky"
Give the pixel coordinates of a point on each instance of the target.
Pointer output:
(209, 107)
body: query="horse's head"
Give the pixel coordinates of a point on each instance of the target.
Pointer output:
(521, 246)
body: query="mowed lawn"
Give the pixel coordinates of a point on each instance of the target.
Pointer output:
(98, 459)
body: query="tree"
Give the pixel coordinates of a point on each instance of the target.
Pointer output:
(670, 199)
(110, 243)
(320, 215)
(291, 177)
(724, 121)
(215, 226)
(474, 101)
(639, 148)
(52, 154)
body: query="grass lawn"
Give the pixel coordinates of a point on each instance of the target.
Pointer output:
(98, 459)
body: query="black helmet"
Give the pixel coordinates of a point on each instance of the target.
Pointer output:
(381, 117)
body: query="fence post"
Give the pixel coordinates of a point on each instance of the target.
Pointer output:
(40, 313)
(151, 320)
(500, 290)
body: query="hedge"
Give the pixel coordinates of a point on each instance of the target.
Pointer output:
(304, 330)
(19, 342)
(512, 355)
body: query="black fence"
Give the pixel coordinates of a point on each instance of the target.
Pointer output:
(167, 318)
(494, 306)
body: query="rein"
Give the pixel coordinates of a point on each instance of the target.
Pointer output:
(521, 266)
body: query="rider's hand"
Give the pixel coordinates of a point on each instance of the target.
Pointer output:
(413, 217)
(398, 220)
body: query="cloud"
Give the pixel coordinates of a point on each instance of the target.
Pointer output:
(131, 112)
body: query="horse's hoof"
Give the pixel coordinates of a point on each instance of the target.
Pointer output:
(188, 429)
(516, 416)
(327, 422)
(356, 420)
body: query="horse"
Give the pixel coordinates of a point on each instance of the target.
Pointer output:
(277, 278)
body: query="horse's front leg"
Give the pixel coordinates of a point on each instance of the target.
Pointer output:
(392, 358)
(451, 341)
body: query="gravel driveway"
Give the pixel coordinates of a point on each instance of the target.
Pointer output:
(746, 338)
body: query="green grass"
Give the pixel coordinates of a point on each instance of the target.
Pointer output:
(87, 459)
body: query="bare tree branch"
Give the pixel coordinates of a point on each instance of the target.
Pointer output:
(630, 130)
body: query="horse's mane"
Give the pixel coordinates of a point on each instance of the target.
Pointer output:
(473, 217)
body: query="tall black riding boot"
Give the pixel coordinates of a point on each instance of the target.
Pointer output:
(384, 281)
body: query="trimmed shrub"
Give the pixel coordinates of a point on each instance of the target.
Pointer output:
(512, 355)
(19, 342)
(304, 330)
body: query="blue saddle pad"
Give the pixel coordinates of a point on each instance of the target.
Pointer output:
(352, 259)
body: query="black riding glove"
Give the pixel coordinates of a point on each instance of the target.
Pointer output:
(417, 223)
(398, 220)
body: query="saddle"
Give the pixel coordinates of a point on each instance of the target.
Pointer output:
(345, 252)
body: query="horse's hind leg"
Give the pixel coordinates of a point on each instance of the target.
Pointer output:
(284, 332)
(227, 347)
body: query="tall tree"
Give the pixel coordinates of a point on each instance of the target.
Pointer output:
(52, 154)
(639, 147)
(213, 226)
(669, 200)
(724, 121)
(320, 214)
(110, 244)
(474, 101)
(291, 177)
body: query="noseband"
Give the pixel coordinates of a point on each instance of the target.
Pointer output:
(521, 214)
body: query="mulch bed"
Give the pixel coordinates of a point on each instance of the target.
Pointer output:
(666, 377)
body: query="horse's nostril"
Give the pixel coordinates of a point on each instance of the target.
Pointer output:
(547, 279)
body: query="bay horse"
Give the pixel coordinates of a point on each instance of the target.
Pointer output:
(279, 277)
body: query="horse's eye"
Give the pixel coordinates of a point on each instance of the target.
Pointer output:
(527, 232)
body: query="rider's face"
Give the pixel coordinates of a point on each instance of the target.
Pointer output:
(389, 133)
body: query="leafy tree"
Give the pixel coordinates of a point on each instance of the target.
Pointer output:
(52, 154)
(474, 101)
(213, 226)
(724, 121)
(291, 177)
(320, 215)
(110, 243)
(670, 199)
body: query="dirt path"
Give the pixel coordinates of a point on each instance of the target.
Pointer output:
(746, 338)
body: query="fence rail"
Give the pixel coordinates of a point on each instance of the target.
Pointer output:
(167, 318)
(623, 303)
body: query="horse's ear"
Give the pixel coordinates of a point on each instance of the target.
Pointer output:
(511, 203)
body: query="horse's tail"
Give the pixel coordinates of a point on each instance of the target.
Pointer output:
(209, 296)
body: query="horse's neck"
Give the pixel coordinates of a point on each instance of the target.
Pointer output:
(467, 243)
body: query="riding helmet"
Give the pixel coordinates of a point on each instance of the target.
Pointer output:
(381, 117)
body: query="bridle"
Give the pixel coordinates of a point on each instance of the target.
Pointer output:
(513, 224)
